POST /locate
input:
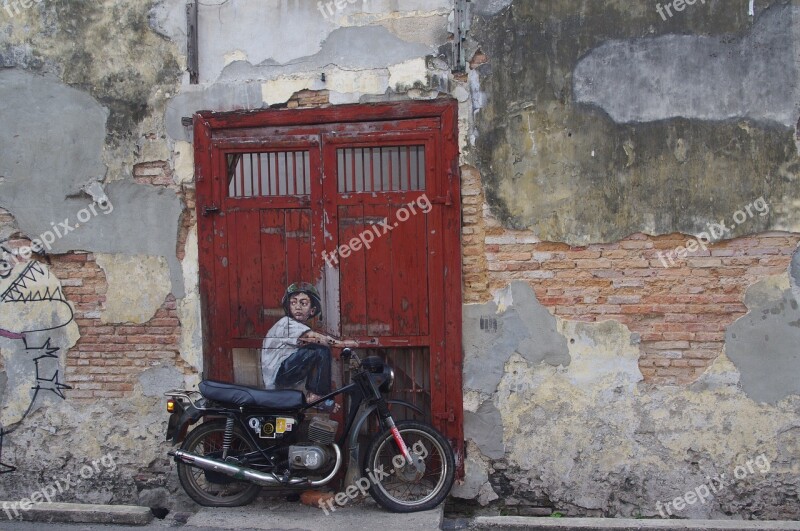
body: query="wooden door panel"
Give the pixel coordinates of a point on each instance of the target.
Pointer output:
(276, 189)
(352, 274)
(409, 274)
(244, 262)
(299, 255)
(378, 276)
(273, 265)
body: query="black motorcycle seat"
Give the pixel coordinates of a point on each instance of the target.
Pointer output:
(242, 395)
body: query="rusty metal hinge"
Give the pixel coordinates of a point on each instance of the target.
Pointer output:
(448, 415)
(461, 26)
(192, 48)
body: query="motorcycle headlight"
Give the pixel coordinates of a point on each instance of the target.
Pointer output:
(388, 379)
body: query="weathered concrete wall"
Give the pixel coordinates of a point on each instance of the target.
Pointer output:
(600, 119)
(605, 136)
(88, 351)
(96, 174)
(600, 379)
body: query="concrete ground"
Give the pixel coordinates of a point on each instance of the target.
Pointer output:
(362, 515)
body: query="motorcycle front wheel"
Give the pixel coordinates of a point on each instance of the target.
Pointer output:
(212, 489)
(404, 488)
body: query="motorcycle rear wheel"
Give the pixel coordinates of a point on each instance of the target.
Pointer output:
(207, 488)
(405, 489)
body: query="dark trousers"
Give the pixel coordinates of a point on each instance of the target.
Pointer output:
(311, 363)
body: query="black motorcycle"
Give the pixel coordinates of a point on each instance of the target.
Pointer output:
(253, 438)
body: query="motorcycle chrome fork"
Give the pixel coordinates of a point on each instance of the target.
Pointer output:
(388, 421)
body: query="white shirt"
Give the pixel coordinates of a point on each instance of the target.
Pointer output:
(280, 343)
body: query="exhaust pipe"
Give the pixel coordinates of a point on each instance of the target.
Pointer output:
(266, 479)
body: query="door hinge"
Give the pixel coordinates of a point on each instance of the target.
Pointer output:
(211, 209)
(446, 200)
(448, 415)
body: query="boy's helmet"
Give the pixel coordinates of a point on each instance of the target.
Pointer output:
(308, 289)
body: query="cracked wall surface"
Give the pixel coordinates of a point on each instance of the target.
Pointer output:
(602, 374)
(591, 438)
(561, 158)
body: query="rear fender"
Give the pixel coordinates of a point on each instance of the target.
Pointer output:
(180, 421)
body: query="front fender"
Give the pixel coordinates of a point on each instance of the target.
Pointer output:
(354, 463)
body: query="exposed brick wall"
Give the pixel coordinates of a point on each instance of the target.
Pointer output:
(309, 98)
(473, 237)
(108, 358)
(188, 218)
(153, 173)
(681, 312)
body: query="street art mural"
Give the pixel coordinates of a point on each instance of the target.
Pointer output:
(36, 328)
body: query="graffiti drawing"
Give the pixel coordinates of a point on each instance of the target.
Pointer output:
(31, 306)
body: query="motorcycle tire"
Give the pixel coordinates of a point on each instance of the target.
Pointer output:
(212, 489)
(404, 488)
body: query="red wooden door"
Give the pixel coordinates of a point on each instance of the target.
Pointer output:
(361, 201)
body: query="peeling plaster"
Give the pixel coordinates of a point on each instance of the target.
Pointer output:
(137, 287)
(485, 429)
(569, 173)
(621, 445)
(184, 163)
(493, 331)
(361, 45)
(696, 76)
(34, 154)
(191, 347)
(763, 343)
(794, 274)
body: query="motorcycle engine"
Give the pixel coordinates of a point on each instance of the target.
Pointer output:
(312, 456)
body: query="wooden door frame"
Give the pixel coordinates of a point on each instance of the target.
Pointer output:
(446, 357)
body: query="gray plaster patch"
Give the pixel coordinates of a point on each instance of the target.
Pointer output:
(52, 144)
(763, 346)
(522, 325)
(219, 97)
(354, 48)
(489, 7)
(292, 33)
(56, 152)
(475, 476)
(156, 380)
(695, 76)
(485, 428)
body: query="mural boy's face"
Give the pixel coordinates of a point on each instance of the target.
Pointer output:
(300, 307)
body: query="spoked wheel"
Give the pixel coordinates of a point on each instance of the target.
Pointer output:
(402, 487)
(210, 488)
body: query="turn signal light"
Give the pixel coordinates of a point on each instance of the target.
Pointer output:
(170, 406)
